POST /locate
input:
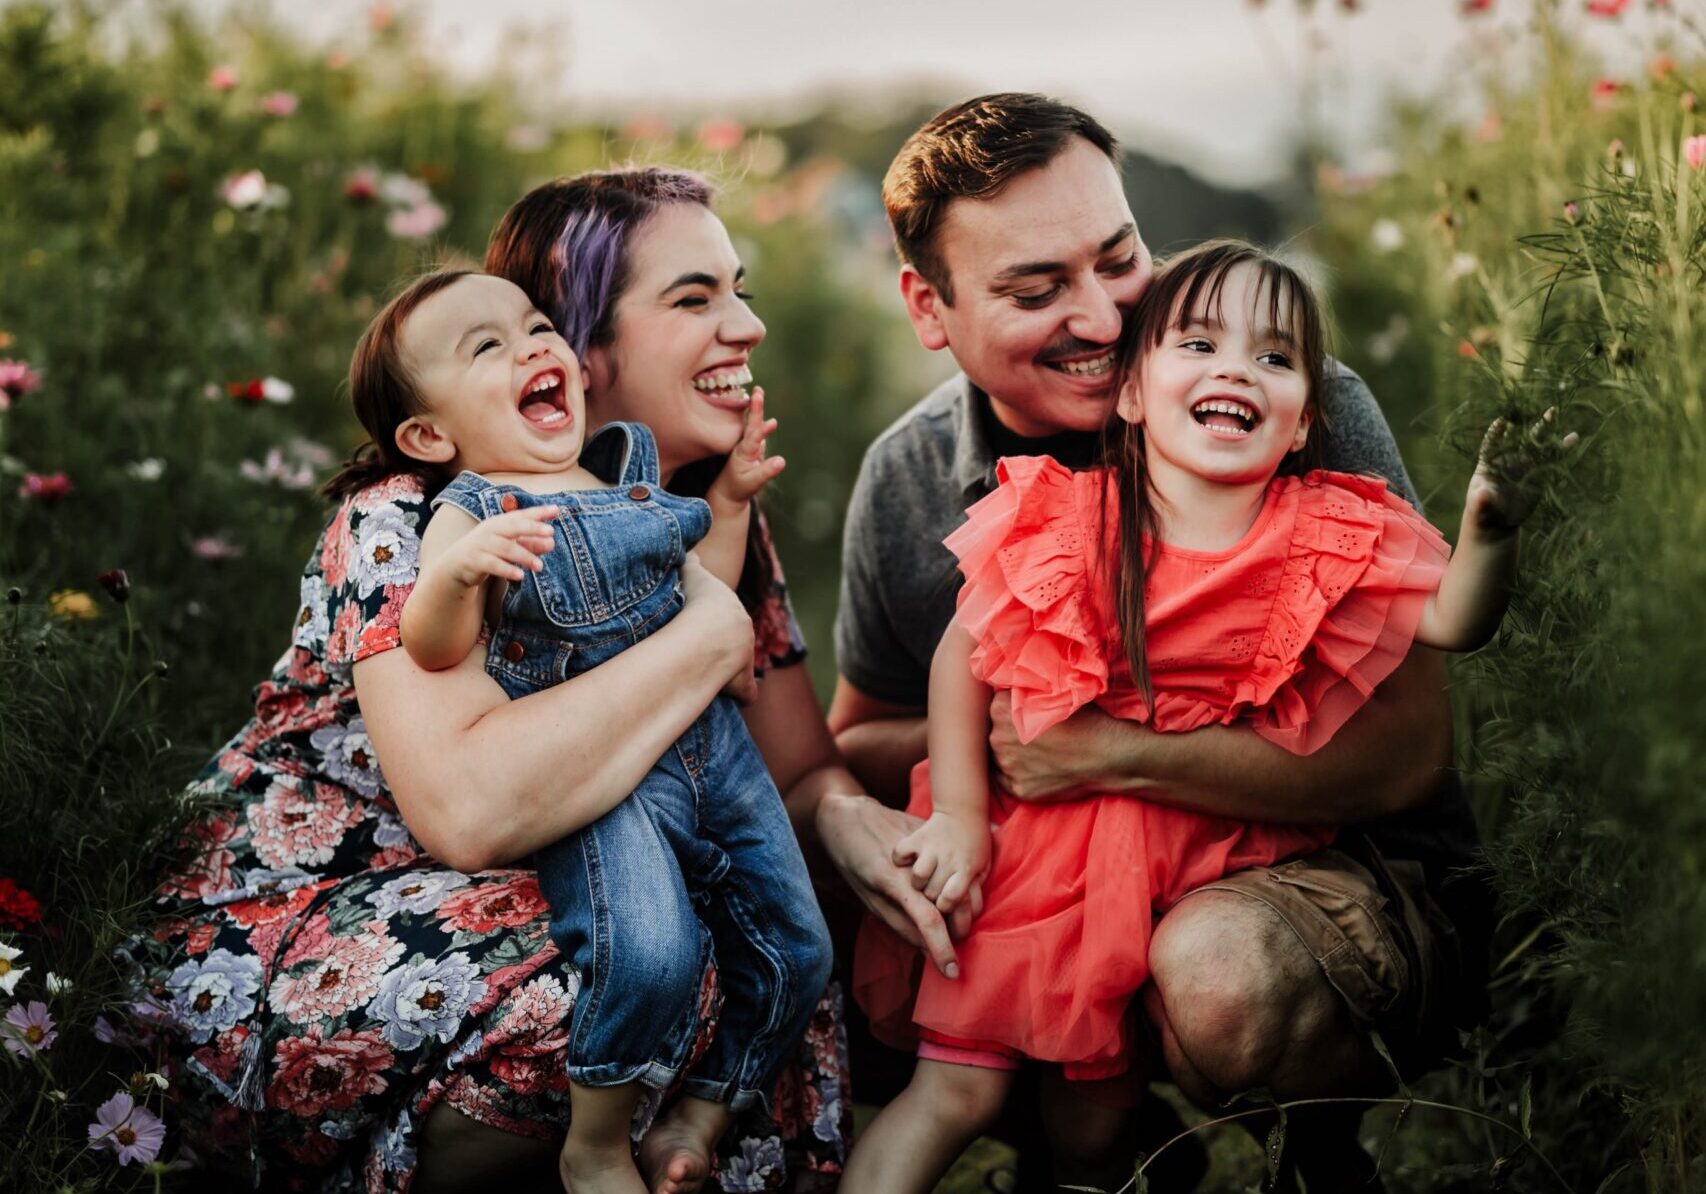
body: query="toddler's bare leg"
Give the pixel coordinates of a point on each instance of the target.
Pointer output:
(596, 1156)
(914, 1140)
(676, 1152)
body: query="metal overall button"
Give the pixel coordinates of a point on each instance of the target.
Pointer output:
(514, 651)
(508, 502)
(640, 492)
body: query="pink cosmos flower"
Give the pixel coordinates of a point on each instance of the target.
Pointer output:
(1607, 8)
(1694, 149)
(214, 547)
(279, 103)
(416, 223)
(1572, 213)
(134, 1133)
(719, 136)
(16, 380)
(45, 487)
(222, 78)
(1605, 92)
(29, 1029)
(245, 190)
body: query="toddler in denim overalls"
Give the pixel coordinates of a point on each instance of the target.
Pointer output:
(702, 855)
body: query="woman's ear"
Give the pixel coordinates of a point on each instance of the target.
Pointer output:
(1301, 436)
(1130, 402)
(418, 439)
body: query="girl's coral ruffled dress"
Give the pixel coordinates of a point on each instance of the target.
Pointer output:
(1288, 632)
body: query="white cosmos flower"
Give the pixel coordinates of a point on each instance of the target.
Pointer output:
(10, 971)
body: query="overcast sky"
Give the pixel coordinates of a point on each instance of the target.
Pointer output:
(1224, 85)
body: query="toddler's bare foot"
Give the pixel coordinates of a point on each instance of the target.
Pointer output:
(598, 1170)
(676, 1154)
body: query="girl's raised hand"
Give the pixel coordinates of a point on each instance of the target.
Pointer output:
(502, 546)
(748, 469)
(1503, 492)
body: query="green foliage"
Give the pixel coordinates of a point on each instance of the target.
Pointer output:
(1555, 257)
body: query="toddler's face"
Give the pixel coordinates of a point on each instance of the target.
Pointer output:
(503, 391)
(1224, 397)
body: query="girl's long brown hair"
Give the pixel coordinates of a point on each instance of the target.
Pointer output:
(1185, 285)
(384, 395)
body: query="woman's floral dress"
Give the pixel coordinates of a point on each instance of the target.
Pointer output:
(323, 983)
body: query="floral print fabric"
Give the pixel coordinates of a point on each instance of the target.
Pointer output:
(322, 983)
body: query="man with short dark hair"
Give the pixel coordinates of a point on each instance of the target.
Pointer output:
(1020, 255)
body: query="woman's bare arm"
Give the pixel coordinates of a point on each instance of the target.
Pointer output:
(482, 780)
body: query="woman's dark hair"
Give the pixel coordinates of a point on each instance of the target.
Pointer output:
(385, 396)
(569, 244)
(1184, 286)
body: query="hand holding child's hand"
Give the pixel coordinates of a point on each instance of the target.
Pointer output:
(748, 469)
(1503, 493)
(501, 546)
(948, 856)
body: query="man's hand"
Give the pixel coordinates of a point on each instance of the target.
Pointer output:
(501, 546)
(1054, 766)
(748, 469)
(948, 854)
(860, 835)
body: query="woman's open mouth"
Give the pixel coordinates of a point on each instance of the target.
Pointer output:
(1226, 416)
(545, 402)
(725, 385)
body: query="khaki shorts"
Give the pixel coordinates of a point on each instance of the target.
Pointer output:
(1382, 940)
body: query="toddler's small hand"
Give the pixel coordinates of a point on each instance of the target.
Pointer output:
(748, 469)
(503, 546)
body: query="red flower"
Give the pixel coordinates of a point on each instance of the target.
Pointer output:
(18, 908)
(247, 391)
(1474, 6)
(1607, 8)
(45, 487)
(1605, 92)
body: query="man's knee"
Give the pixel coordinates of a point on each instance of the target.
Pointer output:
(1235, 992)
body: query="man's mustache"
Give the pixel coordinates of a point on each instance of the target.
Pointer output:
(1071, 347)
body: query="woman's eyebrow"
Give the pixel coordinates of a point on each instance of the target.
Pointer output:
(700, 278)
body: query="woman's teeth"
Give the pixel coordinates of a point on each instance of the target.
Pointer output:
(1090, 368)
(718, 383)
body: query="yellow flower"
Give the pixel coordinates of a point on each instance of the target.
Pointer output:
(5, 339)
(72, 605)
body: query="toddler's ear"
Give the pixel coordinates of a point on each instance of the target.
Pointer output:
(418, 439)
(1130, 401)
(1301, 436)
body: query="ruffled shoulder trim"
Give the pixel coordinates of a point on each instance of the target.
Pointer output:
(1359, 570)
(1026, 599)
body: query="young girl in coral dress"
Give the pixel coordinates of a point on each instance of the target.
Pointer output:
(1182, 585)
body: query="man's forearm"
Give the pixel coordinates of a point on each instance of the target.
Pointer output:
(881, 755)
(1386, 758)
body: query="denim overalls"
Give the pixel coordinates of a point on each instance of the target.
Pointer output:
(701, 856)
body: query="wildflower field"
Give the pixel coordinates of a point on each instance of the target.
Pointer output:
(197, 218)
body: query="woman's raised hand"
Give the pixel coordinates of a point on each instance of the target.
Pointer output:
(723, 621)
(748, 469)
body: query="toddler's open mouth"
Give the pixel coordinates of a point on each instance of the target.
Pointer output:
(544, 401)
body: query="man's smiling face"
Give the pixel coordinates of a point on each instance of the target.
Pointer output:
(1042, 275)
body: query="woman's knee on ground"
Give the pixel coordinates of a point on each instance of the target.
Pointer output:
(1234, 994)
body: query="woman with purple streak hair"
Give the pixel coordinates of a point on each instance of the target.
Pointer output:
(356, 986)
